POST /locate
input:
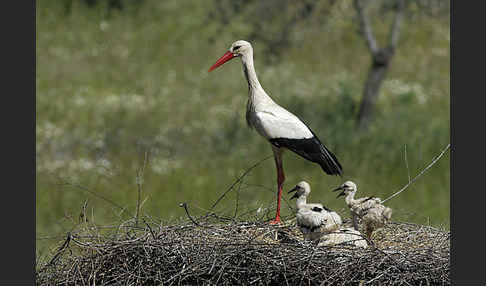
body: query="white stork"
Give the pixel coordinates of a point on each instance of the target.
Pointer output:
(369, 210)
(280, 127)
(313, 219)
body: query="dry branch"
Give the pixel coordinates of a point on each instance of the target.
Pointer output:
(238, 180)
(65, 182)
(420, 174)
(184, 205)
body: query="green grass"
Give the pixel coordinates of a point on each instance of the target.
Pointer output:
(111, 87)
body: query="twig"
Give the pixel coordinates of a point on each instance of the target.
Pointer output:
(82, 215)
(184, 205)
(139, 179)
(237, 181)
(420, 174)
(237, 199)
(406, 163)
(150, 229)
(60, 250)
(67, 183)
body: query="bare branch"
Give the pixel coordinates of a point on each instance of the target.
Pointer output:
(64, 182)
(237, 199)
(365, 27)
(397, 22)
(184, 205)
(420, 174)
(60, 250)
(237, 181)
(150, 229)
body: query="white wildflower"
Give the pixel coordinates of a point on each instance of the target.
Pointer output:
(399, 88)
(104, 163)
(104, 25)
(79, 100)
(85, 164)
(111, 100)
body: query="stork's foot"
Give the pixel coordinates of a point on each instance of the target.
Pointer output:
(275, 221)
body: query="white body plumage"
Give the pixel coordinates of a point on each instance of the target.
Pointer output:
(313, 219)
(344, 236)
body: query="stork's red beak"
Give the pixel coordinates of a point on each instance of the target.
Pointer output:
(226, 57)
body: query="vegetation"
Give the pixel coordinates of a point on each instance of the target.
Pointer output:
(115, 84)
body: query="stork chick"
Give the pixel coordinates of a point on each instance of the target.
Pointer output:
(313, 219)
(344, 236)
(370, 210)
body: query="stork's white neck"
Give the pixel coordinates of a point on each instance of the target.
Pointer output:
(256, 95)
(301, 201)
(249, 71)
(350, 198)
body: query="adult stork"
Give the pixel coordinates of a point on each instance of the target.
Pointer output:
(280, 127)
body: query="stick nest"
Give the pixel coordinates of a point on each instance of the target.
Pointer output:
(216, 251)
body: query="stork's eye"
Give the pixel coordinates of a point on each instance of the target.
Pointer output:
(236, 47)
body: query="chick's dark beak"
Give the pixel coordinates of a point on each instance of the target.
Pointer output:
(341, 194)
(293, 190)
(338, 188)
(295, 196)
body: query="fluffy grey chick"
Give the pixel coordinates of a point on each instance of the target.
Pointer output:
(370, 210)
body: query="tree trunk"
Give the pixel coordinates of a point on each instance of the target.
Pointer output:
(376, 74)
(381, 58)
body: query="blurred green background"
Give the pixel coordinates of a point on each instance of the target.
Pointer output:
(116, 80)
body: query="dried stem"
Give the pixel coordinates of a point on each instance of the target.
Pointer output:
(60, 250)
(65, 182)
(420, 174)
(406, 162)
(139, 180)
(184, 205)
(238, 180)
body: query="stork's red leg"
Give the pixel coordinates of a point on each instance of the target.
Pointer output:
(280, 179)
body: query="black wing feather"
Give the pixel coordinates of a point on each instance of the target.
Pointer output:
(369, 198)
(327, 209)
(313, 150)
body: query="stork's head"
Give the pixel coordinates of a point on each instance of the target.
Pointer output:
(347, 188)
(239, 48)
(301, 189)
